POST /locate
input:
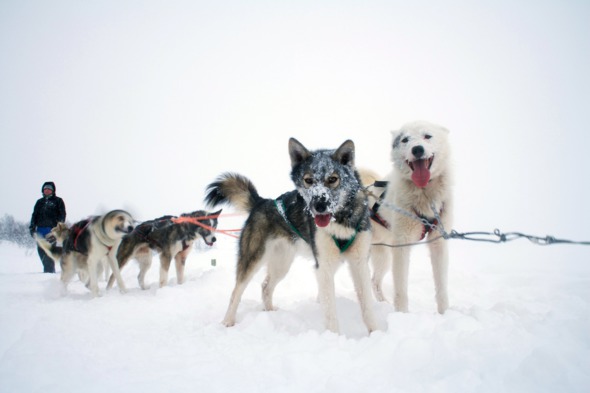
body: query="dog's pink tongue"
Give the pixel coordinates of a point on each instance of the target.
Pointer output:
(322, 220)
(421, 174)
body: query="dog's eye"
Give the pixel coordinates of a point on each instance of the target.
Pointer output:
(405, 140)
(332, 179)
(308, 180)
(427, 136)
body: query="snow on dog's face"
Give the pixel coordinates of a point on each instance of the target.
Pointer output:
(324, 178)
(419, 151)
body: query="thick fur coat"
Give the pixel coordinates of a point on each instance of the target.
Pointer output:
(420, 184)
(325, 218)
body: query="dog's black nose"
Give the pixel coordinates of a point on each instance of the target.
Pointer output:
(321, 206)
(129, 228)
(418, 151)
(214, 239)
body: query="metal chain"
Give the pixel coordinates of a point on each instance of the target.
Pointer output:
(490, 237)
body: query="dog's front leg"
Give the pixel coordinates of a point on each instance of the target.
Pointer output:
(165, 260)
(439, 257)
(327, 292)
(381, 261)
(359, 270)
(401, 264)
(93, 276)
(67, 272)
(116, 271)
(180, 262)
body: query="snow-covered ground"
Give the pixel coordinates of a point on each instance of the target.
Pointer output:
(518, 323)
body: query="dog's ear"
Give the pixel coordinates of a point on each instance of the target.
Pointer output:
(217, 213)
(297, 152)
(345, 153)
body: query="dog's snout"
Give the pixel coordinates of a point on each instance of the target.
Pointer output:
(130, 228)
(321, 206)
(213, 239)
(418, 151)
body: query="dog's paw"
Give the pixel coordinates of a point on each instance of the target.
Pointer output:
(228, 322)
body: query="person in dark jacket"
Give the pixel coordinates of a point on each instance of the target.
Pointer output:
(48, 211)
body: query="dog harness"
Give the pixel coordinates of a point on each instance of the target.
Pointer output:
(144, 234)
(428, 225)
(281, 209)
(78, 228)
(342, 244)
(373, 211)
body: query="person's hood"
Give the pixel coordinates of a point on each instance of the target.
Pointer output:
(48, 183)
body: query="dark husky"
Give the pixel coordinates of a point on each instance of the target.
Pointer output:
(170, 237)
(87, 244)
(325, 217)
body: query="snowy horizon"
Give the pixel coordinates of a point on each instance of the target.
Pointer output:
(140, 105)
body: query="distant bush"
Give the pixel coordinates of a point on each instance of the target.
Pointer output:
(16, 232)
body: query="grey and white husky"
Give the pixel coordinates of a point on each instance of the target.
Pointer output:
(326, 217)
(169, 236)
(420, 184)
(87, 244)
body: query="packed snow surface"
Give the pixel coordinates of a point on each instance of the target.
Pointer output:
(514, 326)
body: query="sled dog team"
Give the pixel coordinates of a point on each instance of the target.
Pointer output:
(335, 213)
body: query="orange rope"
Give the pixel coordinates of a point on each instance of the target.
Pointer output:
(197, 221)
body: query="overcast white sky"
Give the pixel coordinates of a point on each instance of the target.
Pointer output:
(140, 104)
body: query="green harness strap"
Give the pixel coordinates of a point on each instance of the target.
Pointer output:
(282, 212)
(340, 244)
(343, 247)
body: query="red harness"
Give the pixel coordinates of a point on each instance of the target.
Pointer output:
(432, 224)
(78, 231)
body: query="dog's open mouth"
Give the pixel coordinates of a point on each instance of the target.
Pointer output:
(421, 171)
(322, 220)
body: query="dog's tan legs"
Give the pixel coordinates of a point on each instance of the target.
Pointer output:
(67, 272)
(381, 261)
(180, 260)
(327, 293)
(145, 262)
(116, 272)
(93, 276)
(107, 272)
(439, 256)
(401, 264)
(236, 296)
(165, 260)
(359, 270)
(278, 267)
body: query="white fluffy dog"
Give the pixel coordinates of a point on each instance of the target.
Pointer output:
(419, 184)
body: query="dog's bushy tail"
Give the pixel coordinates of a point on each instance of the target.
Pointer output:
(52, 250)
(233, 189)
